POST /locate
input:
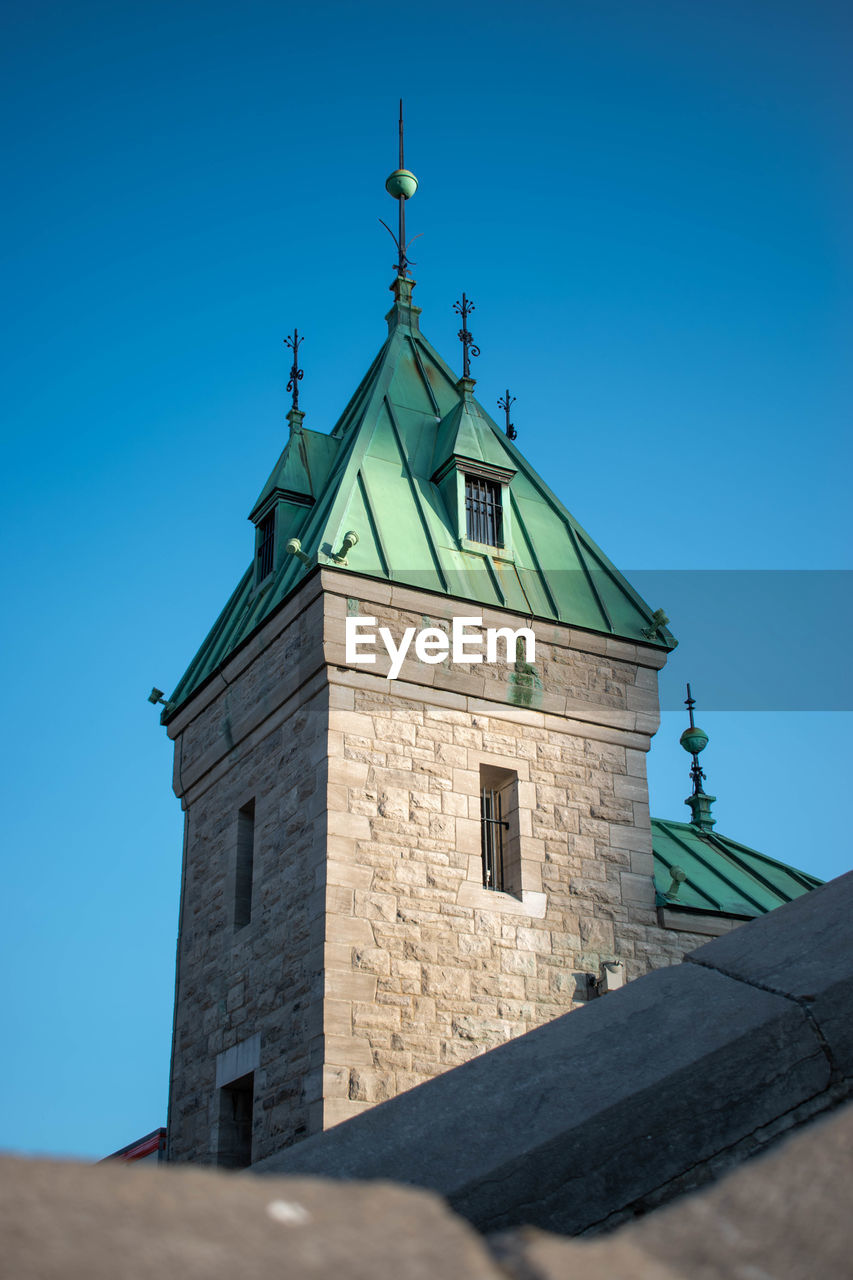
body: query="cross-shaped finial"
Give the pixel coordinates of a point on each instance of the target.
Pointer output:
(294, 343)
(504, 404)
(464, 309)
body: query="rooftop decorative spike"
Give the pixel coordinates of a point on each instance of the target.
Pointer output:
(504, 403)
(402, 185)
(694, 740)
(464, 309)
(293, 341)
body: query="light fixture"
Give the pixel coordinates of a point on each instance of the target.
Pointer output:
(294, 548)
(350, 539)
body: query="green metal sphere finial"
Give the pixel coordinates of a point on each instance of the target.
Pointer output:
(402, 185)
(694, 740)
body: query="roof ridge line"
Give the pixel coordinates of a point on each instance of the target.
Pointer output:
(359, 441)
(433, 550)
(520, 525)
(371, 372)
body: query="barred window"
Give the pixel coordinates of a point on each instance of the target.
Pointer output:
(266, 545)
(492, 826)
(483, 511)
(500, 830)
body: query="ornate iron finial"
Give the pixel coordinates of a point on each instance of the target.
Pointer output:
(294, 342)
(695, 740)
(464, 309)
(402, 185)
(504, 404)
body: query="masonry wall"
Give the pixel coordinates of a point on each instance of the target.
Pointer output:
(424, 967)
(249, 999)
(374, 958)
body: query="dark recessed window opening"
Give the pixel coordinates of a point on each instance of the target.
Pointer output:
(266, 546)
(234, 1145)
(245, 865)
(492, 828)
(500, 830)
(483, 513)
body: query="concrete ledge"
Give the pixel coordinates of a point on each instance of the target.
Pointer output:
(783, 1216)
(711, 924)
(588, 1115)
(530, 904)
(78, 1222)
(804, 951)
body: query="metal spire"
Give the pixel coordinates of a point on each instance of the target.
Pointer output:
(690, 703)
(693, 744)
(464, 309)
(504, 404)
(401, 209)
(402, 185)
(694, 740)
(294, 342)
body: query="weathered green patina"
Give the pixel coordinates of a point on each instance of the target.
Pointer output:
(525, 682)
(393, 471)
(720, 875)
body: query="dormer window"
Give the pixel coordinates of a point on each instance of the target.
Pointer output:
(266, 546)
(483, 511)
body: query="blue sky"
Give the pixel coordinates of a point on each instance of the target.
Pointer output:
(649, 204)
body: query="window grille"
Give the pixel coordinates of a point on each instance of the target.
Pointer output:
(483, 511)
(492, 828)
(266, 546)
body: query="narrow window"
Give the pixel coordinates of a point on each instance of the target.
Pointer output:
(483, 511)
(234, 1141)
(266, 546)
(492, 837)
(500, 830)
(245, 865)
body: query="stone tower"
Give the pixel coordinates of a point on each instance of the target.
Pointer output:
(396, 858)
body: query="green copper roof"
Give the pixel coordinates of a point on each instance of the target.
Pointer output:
(303, 468)
(465, 433)
(722, 876)
(409, 422)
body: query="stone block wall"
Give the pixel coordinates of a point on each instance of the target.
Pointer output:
(249, 999)
(425, 968)
(374, 957)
